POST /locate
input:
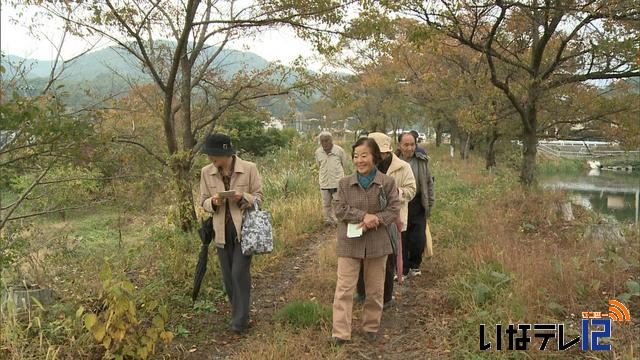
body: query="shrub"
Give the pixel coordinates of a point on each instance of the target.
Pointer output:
(118, 327)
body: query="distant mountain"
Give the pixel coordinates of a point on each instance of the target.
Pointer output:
(100, 73)
(106, 61)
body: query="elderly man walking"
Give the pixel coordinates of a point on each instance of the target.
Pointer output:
(331, 159)
(414, 238)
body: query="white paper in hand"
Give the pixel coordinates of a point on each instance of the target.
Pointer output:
(354, 230)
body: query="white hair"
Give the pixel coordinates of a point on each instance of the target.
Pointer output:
(325, 134)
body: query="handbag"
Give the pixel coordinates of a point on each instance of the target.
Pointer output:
(256, 232)
(395, 236)
(394, 231)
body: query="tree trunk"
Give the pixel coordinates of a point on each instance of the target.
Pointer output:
(184, 195)
(439, 130)
(530, 148)
(465, 143)
(181, 168)
(188, 140)
(491, 151)
(455, 136)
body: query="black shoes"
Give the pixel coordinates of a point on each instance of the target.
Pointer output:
(238, 329)
(388, 304)
(336, 341)
(370, 336)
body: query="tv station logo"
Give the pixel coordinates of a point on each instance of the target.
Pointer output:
(596, 330)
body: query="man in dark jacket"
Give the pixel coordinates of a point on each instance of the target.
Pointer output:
(414, 238)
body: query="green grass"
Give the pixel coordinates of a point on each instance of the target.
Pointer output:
(571, 166)
(483, 285)
(304, 314)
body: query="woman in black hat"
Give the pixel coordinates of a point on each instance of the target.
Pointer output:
(228, 186)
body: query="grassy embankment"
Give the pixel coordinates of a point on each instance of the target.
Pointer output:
(144, 249)
(502, 255)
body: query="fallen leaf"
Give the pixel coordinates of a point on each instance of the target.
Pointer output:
(192, 350)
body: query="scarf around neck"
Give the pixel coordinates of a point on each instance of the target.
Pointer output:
(366, 180)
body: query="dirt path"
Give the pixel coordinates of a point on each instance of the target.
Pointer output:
(415, 327)
(269, 289)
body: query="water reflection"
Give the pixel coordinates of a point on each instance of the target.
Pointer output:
(613, 193)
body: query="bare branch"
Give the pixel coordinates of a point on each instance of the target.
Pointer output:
(53, 211)
(25, 193)
(144, 147)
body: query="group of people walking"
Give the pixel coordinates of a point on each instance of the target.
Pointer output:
(380, 211)
(389, 199)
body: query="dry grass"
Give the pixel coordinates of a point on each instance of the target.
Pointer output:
(319, 280)
(283, 342)
(482, 221)
(291, 218)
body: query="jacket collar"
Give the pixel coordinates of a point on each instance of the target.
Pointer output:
(396, 164)
(418, 155)
(422, 156)
(353, 179)
(240, 167)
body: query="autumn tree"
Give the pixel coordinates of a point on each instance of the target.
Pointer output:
(44, 146)
(179, 45)
(535, 48)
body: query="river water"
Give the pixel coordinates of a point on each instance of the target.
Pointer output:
(607, 192)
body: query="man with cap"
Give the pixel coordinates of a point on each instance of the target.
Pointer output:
(228, 186)
(414, 238)
(331, 160)
(401, 172)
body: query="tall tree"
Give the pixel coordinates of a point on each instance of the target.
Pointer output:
(535, 47)
(189, 66)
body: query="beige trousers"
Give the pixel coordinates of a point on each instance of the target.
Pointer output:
(348, 269)
(327, 205)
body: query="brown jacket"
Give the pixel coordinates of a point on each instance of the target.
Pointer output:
(245, 179)
(353, 202)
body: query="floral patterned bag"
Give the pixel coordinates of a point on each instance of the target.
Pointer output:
(256, 232)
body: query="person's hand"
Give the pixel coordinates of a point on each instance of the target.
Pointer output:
(216, 200)
(237, 196)
(370, 221)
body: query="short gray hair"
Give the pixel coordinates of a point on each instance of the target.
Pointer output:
(325, 134)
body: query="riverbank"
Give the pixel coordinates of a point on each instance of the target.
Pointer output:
(502, 255)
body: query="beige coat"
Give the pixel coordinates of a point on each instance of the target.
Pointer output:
(352, 203)
(401, 172)
(331, 166)
(245, 179)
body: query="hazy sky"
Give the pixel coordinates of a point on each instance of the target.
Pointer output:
(272, 45)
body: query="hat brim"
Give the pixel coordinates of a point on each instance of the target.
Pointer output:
(218, 152)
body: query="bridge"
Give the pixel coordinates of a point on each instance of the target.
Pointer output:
(571, 149)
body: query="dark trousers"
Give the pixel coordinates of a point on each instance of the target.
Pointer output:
(236, 276)
(388, 279)
(413, 243)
